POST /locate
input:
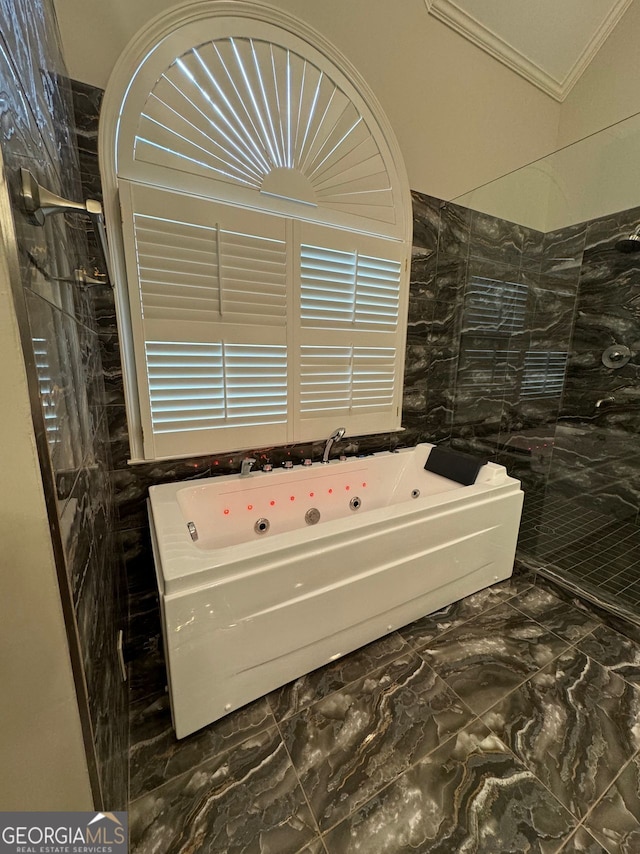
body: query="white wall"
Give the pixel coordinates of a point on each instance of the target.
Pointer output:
(609, 90)
(521, 196)
(42, 758)
(592, 178)
(597, 176)
(461, 117)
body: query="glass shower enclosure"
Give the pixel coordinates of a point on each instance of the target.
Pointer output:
(575, 444)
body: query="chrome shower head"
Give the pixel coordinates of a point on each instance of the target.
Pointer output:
(630, 243)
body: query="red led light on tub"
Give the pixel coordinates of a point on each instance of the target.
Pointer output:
(331, 492)
(272, 503)
(292, 498)
(347, 488)
(364, 484)
(226, 512)
(311, 494)
(249, 506)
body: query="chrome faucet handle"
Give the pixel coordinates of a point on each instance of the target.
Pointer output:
(245, 466)
(616, 356)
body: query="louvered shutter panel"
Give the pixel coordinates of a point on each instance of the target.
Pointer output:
(208, 292)
(348, 288)
(544, 373)
(47, 390)
(495, 305)
(346, 380)
(244, 112)
(351, 343)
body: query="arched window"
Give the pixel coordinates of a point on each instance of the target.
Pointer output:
(260, 226)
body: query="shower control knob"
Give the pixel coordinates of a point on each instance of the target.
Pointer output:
(267, 467)
(616, 356)
(287, 464)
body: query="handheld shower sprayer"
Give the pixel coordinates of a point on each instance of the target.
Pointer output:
(333, 438)
(38, 203)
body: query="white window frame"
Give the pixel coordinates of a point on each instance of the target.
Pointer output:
(146, 59)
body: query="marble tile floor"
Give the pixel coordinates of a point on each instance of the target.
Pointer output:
(584, 544)
(506, 722)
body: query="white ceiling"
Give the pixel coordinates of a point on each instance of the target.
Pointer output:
(548, 42)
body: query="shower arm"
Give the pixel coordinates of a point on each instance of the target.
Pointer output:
(38, 203)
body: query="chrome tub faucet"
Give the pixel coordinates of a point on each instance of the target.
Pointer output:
(245, 467)
(333, 438)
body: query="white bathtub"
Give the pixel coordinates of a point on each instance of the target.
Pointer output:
(245, 612)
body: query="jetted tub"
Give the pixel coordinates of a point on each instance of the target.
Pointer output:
(264, 578)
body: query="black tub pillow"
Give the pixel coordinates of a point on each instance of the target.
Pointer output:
(463, 468)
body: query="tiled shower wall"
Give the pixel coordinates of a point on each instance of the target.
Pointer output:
(491, 310)
(596, 458)
(36, 132)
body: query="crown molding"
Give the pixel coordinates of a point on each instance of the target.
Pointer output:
(453, 16)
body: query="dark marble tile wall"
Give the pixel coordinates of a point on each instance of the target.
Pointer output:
(36, 132)
(493, 302)
(596, 458)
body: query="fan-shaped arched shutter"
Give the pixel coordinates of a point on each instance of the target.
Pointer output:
(264, 239)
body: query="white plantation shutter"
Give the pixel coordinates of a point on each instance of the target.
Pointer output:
(349, 304)
(189, 271)
(186, 385)
(261, 224)
(195, 386)
(237, 110)
(253, 270)
(346, 380)
(198, 261)
(210, 308)
(254, 329)
(348, 288)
